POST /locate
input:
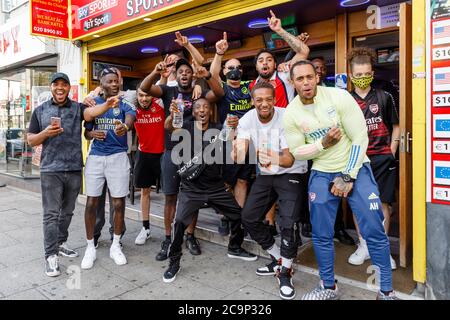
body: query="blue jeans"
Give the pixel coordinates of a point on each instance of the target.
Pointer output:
(59, 195)
(366, 206)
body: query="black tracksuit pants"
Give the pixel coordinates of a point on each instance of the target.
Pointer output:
(288, 189)
(190, 201)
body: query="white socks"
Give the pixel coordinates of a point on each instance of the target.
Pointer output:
(287, 263)
(274, 251)
(90, 243)
(116, 240)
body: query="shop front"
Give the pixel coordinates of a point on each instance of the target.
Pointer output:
(334, 27)
(26, 65)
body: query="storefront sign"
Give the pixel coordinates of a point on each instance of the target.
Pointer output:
(438, 106)
(50, 18)
(90, 17)
(16, 44)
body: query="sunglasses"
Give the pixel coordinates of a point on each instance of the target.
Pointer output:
(234, 67)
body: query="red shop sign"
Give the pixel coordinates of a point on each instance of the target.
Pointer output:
(50, 18)
(90, 17)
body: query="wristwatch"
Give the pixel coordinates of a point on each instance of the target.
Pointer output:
(347, 178)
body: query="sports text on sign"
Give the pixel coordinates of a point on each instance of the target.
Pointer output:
(96, 7)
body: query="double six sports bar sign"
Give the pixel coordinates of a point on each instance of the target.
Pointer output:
(438, 106)
(76, 19)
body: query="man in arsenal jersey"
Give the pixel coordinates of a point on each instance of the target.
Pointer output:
(381, 117)
(149, 127)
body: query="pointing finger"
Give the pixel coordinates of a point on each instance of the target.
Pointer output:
(225, 37)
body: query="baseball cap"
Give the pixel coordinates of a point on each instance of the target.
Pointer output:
(60, 75)
(182, 62)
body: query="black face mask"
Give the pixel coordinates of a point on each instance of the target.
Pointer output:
(234, 74)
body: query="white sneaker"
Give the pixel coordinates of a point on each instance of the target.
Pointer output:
(90, 255)
(117, 255)
(142, 236)
(393, 264)
(360, 255)
(52, 266)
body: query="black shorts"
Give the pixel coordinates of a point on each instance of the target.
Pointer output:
(233, 172)
(384, 167)
(147, 169)
(170, 179)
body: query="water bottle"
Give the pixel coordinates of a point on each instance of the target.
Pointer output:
(177, 121)
(226, 131)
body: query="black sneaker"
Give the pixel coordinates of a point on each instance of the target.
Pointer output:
(65, 251)
(224, 227)
(269, 269)
(162, 254)
(307, 230)
(287, 290)
(241, 254)
(52, 266)
(193, 245)
(343, 237)
(172, 270)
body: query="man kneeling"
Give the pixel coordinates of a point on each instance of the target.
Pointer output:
(202, 187)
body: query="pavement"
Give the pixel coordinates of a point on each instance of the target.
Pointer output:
(210, 276)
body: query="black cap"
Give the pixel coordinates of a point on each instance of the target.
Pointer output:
(183, 62)
(60, 75)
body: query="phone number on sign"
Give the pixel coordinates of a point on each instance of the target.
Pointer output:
(47, 31)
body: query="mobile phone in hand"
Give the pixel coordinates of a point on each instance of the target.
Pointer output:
(56, 122)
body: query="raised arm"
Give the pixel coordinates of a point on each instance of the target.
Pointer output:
(148, 84)
(184, 42)
(216, 65)
(296, 43)
(216, 91)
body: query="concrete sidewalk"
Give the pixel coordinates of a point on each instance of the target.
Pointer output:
(210, 276)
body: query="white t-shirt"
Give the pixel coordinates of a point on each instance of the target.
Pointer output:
(268, 136)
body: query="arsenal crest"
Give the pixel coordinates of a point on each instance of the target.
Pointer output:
(373, 108)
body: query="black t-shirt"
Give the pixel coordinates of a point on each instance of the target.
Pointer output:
(211, 177)
(380, 117)
(237, 101)
(170, 93)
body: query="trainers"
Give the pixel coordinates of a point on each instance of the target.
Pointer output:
(269, 269)
(224, 227)
(307, 230)
(115, 253)
(360, 255)
(65, 251)
(162, 254)
(343, 237)
(390, 296)
(287, 290)
(142, 237)
(90, 255)
(320, 293)
(393, 264)
(241, 254)
(52, 266)
(171, 273)
(193, 245)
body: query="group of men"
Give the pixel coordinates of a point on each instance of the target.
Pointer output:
(279, 121)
